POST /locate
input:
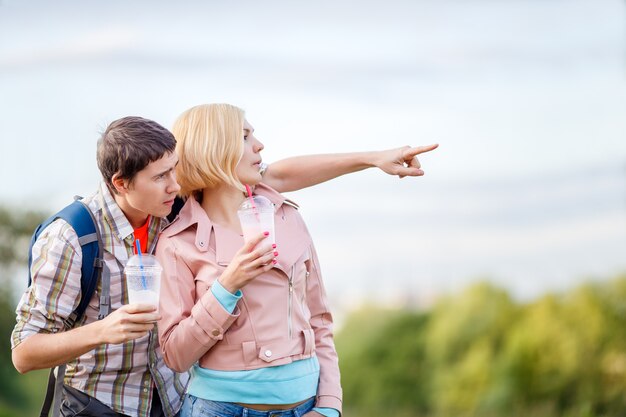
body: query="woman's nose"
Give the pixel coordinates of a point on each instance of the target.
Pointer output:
(258, 146)
(174, 187)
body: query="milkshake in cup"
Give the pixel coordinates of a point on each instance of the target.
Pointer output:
(256, 215)
(143, 279)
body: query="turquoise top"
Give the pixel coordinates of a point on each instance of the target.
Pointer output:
(284, 384)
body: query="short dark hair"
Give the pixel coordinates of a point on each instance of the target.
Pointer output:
(129, 144)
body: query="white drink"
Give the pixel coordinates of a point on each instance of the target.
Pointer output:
(143, 297)
(143, 280)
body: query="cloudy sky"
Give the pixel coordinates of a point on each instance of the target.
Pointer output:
(526, 98)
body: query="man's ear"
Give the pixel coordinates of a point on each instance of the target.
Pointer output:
(120, 184)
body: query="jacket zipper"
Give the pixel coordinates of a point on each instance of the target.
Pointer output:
(289, 325)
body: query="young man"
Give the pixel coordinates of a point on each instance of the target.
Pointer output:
(114, 365)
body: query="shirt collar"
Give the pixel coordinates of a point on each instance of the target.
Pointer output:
(115, 217)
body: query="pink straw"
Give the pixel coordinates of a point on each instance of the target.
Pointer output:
(254, 209)
(249, 191)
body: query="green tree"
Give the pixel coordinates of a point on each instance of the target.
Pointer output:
(568, 353)
(382, 358)
(479, 353)
(464, 338)
(20, 395)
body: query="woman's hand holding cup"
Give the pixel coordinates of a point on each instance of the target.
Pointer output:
(256, 256)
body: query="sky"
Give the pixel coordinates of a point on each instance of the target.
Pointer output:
(526, 98)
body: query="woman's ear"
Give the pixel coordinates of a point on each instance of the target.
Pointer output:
(120, 184)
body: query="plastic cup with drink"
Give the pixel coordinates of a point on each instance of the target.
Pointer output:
(256, 215)
(143, 279)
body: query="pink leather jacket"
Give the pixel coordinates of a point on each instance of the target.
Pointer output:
(282, 317)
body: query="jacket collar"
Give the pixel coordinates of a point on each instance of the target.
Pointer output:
(227, 242)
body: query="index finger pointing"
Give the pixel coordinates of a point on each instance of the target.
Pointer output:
(411, 152)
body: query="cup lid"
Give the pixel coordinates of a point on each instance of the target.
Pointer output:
(147, 261)
(261, 203)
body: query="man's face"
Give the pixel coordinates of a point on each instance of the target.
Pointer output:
(152, 190)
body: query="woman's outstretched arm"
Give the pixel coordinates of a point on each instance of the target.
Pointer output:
(299, 172)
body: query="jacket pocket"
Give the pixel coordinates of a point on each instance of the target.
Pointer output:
(301, 276)
(280, 350)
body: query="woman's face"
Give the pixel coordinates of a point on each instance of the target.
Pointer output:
(248, 168)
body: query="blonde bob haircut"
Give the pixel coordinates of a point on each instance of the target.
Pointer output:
(209, 143)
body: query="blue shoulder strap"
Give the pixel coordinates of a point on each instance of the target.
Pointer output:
(81, 219)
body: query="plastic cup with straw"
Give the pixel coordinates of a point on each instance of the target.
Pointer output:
(143, 278)
(256, 215)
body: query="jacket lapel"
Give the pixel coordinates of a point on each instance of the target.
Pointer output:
(292, 241)
(227, 244)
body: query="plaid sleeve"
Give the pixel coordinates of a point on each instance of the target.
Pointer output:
(55, 290)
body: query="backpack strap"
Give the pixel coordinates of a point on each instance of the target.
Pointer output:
(58, 389)
(84, 223)
(47, 403)
(82, 220)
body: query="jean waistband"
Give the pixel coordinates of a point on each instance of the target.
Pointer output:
(231, 409)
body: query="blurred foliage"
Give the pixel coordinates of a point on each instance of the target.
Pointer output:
(16, 228)
(20, 395)
(479, 353)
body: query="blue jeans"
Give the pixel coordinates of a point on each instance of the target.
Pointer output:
(198, 407)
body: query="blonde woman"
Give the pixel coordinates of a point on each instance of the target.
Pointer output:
(251, 320)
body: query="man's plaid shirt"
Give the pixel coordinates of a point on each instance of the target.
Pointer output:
(122, 376)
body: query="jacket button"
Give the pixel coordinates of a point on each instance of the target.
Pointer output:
(201, 243)
(268, 353)
(215, 332)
